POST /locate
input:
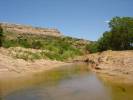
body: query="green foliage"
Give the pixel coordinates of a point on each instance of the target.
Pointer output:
(105, 42)
(122, 32)
(92, 48)
(9, 43)
(120, 37)
(27, 55)
(37, 44)
(1, 30)
(57, 48)
(1, 35)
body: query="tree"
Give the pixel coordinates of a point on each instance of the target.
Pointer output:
(122, 32)
(105, 41)
(1, 35)
(120, 36)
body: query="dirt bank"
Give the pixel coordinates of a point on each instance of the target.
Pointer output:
(11, 67)
(113, 64)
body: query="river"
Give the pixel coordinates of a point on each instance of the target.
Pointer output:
(74, 82)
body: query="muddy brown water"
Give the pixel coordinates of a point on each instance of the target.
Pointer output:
(74, 82)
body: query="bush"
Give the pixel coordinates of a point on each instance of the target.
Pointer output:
(1, 35)
(9, 43)
(92, 48)
(57, 48)
(37, 45)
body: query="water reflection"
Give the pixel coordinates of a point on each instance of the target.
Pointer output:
(74, 82)
(121, 91)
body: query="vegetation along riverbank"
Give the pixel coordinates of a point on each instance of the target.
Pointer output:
(26, 49)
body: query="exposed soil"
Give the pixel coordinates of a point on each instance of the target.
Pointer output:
(114, 65)
(11, 67)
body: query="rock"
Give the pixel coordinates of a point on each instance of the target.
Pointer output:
(24, 29)
(118, 62)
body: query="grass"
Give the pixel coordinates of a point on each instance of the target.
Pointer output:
(58, 48)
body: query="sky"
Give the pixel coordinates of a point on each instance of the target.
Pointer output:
(85, 19)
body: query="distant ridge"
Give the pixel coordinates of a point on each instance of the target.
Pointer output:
(27, 29)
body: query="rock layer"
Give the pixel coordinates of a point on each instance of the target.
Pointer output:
(17, 28)
(112, 62)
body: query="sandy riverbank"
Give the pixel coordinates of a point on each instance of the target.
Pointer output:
(113, 65)
(11, 67)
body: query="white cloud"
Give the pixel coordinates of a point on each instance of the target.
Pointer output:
(107, 21)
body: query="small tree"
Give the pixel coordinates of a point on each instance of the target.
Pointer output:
(1, 35)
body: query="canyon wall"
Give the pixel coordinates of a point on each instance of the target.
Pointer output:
(25, 29)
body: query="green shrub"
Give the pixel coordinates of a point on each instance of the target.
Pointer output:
(9, 43)
(57, 48)
(1, 35)
(37, 45)
(92, 48)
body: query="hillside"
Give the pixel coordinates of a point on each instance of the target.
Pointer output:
(50, 43)
(26, 29)
(27, 49)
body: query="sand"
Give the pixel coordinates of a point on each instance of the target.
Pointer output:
(11, 67)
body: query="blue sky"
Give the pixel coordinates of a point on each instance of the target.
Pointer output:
(77, 18)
